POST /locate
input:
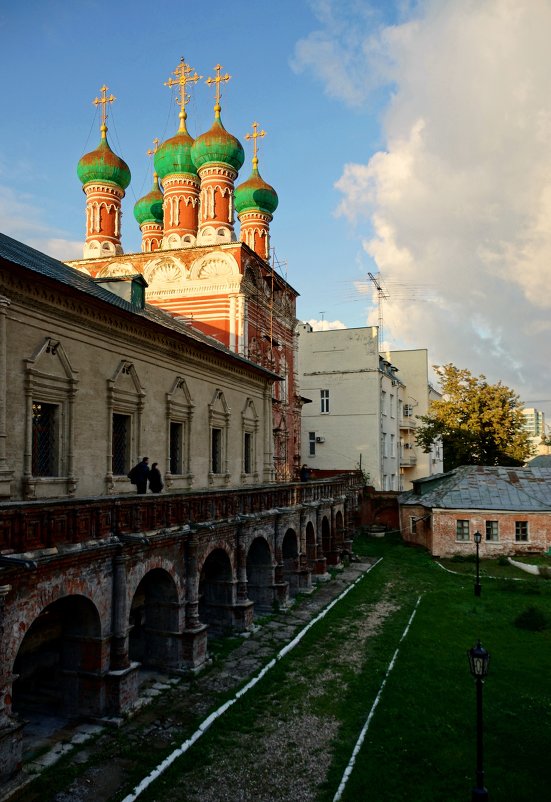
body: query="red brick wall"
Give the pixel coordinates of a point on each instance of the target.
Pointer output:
(437, 532)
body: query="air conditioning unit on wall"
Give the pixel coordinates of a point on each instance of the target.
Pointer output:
(320, 439)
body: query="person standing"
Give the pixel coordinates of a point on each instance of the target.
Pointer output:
(139, 475)
(304, 473)
(155, 479)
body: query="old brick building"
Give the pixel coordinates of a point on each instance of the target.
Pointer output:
(510, 507)
(97, 582)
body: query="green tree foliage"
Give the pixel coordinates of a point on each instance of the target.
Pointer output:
(478, 423)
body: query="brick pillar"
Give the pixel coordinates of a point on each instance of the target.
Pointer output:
(119, 641)
(11, 730)
(192, 585)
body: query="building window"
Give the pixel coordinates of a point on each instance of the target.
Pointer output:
(216, 451)
(492, 531)
(45, 439)
(249, 424)
(521, 531)
(408, 410)
(392, 445)
(312, 444)
(247, 452)
(176, 448)
(385, 445)
(391, 405)
(179, 413)
(49, 415)
(125, 404)
(219, 423)
(462, 530)
(324, 400)
(121, 444)
(383, 402)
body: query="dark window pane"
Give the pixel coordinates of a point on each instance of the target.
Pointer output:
(176, 437)
(121, 444)
(44, 454)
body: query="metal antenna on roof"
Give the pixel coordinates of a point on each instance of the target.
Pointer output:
(382, 295)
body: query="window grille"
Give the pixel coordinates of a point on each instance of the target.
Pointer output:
(44, 439)
(216, 450)
(462, 530)
(521, 531)
(121, 443)
(247, 452)
(176, 440)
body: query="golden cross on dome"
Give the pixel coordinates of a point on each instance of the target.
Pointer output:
(218, 80)
(254, 136)
(104, 100)
(183, 77)
(155, 148)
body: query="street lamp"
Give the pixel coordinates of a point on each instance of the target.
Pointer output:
(477, 539)
(478, 663)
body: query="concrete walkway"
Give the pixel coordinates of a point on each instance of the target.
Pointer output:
(164, 706)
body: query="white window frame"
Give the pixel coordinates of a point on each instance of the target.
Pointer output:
(460, 530)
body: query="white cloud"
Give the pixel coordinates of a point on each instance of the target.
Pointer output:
(326, 325)
(21, 219)
(459, 199)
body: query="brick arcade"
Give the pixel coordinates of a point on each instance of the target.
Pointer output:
(103, 587)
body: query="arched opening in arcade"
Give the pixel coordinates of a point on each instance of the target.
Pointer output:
(58, 667)
(311, 553)
(260, 576)
(339, 531)
(289, 553)
(216, 591)
(153, 639)
(326, 544)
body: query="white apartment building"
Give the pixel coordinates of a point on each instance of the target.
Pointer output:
(413, 370)
(362, 411)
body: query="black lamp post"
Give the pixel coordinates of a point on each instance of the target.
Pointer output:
(478, 663)
(477, 539)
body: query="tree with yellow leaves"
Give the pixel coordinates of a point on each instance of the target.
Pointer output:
(478, 423)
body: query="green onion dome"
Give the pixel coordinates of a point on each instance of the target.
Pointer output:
(103, 166)
(174, 155)
(149, 209)
(217, 145)
(255, 194)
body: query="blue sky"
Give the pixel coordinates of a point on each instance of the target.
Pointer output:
(407, 139)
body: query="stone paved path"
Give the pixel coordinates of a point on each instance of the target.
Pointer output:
(166, 704)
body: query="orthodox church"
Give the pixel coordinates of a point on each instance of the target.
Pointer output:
(194, 265)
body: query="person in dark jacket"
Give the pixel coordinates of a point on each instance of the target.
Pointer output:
(304, 473)
(155, 479)
(139, 475)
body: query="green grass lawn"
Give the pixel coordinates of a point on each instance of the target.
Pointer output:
(421, 742)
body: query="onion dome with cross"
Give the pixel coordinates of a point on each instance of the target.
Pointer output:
(255, 194)
(102, 165)
(149, 209)
(174, 155)
(104, 177)
(217, 145)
